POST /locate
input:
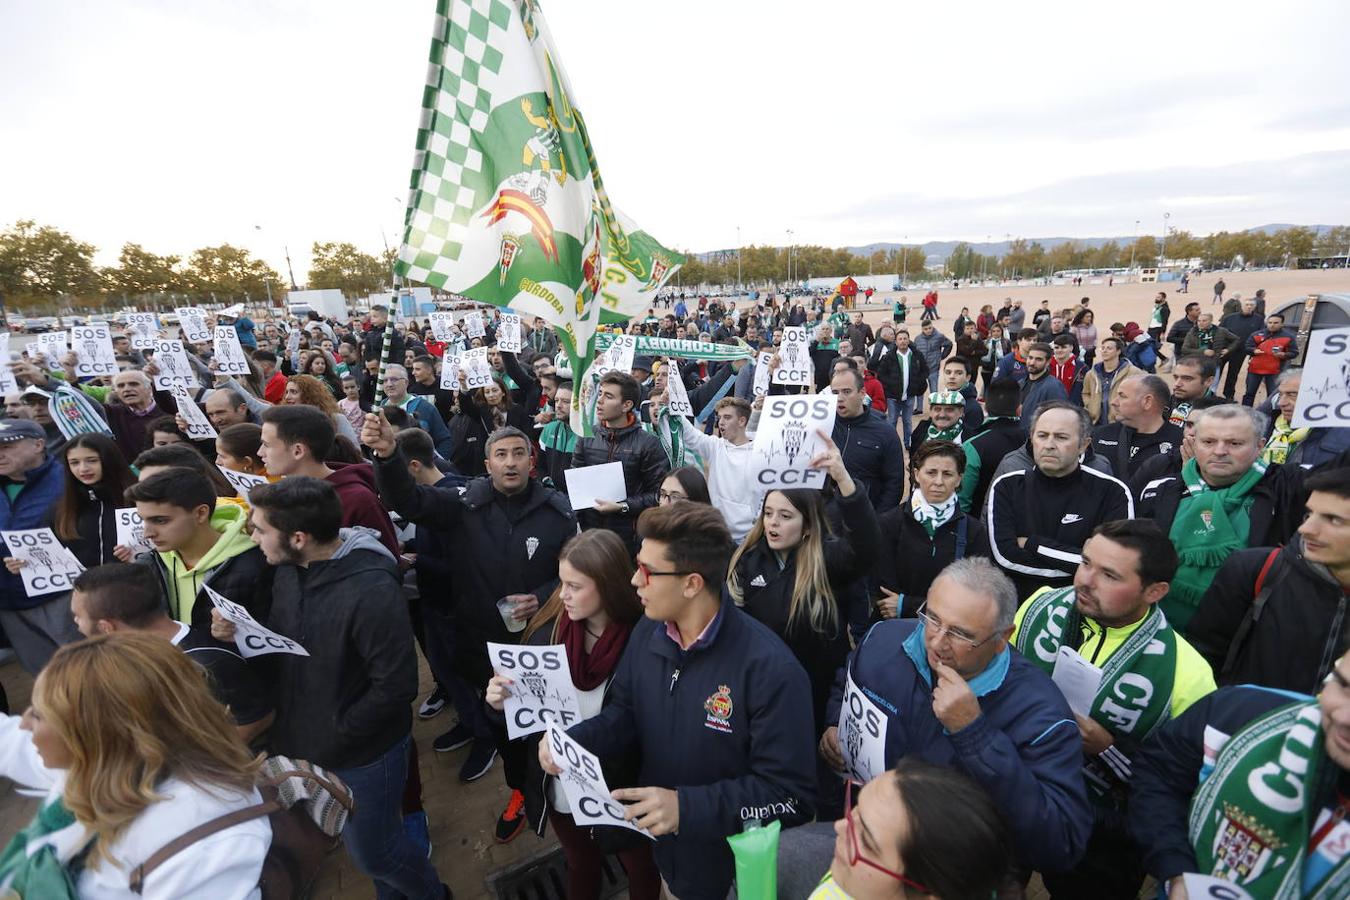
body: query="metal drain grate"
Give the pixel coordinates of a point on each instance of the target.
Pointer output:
(545, 878)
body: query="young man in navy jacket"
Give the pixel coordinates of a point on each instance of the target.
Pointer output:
(718, 707)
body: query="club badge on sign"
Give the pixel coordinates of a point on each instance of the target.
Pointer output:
(474, 364)
(787, 439)
(93, 344)
(143, 329)
(172, 362)
(230, 358)
(192, 320)
(131, 531)
(541, 693)
(508, 333)
(862, 735)
(583, 783)
(794, 358)
(48, 566)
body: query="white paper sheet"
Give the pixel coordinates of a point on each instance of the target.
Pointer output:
(588, 484)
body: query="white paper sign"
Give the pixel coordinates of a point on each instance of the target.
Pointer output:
(473, 325)
(762, 374)
(8, 384)
(251, 638)
(508, 333)
(48, 566)
(1324, 394)
(442, 326)
(143, 329)
(199, 427)
(243, 482)
(588, 484)
(541, 692)
(1077, 679)
(192, 319)
(172, 362)
(131, 531)
(677, 398)
(617, 356)
(787, 440)
(474, 364)
(293, 341)
(450, 371)
(583, 781)
(794, 358)
(230, 358)
(53, 345)
(93, 343)
(1207, 887)
(862, 735)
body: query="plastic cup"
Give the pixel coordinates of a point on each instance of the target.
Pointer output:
(507, 607)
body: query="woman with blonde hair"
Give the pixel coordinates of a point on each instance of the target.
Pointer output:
(591, 613)
(306, 390)
(796, 570)
(133, 750)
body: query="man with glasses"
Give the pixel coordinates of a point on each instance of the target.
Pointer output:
(713, 703)
(1109, 618)
(955, 694)
(419, 409)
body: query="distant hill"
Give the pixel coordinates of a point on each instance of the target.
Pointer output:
(942, 249)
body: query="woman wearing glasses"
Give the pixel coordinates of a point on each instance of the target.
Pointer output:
(918, 831)
(592, 613)
(684, 484)
(797, 565)
(925, 532)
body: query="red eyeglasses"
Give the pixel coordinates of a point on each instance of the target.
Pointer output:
(855, 850)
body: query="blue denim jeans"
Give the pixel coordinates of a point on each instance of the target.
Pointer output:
(374, 835)
(901, 411)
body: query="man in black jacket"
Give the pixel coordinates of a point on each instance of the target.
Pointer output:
(619, 438)
(871, 448)
(716, 706)
(1000, 435)
(1277, 617)
(346, 706)
(509, 530)
(1243, 325)
(1039, 518)
(1141, 430)
(1176, 335)
(373, 346)
(903, 374)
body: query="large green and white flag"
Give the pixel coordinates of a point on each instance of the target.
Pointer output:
(507, 205)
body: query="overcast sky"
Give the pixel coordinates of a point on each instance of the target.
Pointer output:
(183, 123)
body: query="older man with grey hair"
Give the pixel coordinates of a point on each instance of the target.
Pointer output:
(131, 408)
(947, 688)
(419, 409)
(1225, 499)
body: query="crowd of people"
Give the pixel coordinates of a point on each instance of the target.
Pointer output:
(1008, 510)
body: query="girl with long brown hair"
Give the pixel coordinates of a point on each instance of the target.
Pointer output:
(132, 749)
(591, 613)
(85, 518)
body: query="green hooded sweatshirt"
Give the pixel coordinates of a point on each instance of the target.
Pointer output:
(184, 583)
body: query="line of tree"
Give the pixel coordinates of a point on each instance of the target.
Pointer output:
(44, 270)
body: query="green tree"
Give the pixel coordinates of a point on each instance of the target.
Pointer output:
(343, 266)
(42, 263)
(228, 273)
(139, 272)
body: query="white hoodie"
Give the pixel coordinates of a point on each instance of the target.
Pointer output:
(731, 478)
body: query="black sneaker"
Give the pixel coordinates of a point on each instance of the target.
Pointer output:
(512, 820)
(432, 706)
(480, 759)
(453, 739)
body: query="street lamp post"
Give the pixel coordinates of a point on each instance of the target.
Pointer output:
(1162, 250)
(790, 247)
(1134, 245)
(738, 260)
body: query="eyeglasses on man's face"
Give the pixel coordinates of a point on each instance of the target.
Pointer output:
(648, 574)
(958, 635)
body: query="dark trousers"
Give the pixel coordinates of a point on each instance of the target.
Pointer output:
(1111, 869)
(1254, 383)
(584, 858)
(1234, 368)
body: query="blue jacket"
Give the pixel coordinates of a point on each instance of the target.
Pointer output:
(1024, 748)
(244, 328)
(1011, 367)
(32, 508)
(431, 422)
(873, 456)
(726, 723)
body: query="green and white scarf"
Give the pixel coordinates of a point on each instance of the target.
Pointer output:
(1211, 524)
(1135, 695)
(929, 516)
(1155, 320)
(1251, 818)
(1205, 339)
(659, 346)
(45, 858)
(952, 434)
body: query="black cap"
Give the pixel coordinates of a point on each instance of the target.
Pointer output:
(12, 430)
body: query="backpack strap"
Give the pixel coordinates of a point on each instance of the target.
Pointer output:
(962, 525)
(201, 832)
(1260, 595)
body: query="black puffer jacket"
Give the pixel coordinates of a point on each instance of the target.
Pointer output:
(645, 465)
(503, 545)
(1277, 504)
(766, 590)
(910, 561)
(886, 366)
(1302, 630)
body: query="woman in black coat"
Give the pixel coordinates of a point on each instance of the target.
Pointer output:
(794, 571)
(925, 533)
(85, 518)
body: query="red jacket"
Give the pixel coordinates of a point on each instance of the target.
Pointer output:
(1066, 372)
(275, 389)
(872, 388)
(1269, 352)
